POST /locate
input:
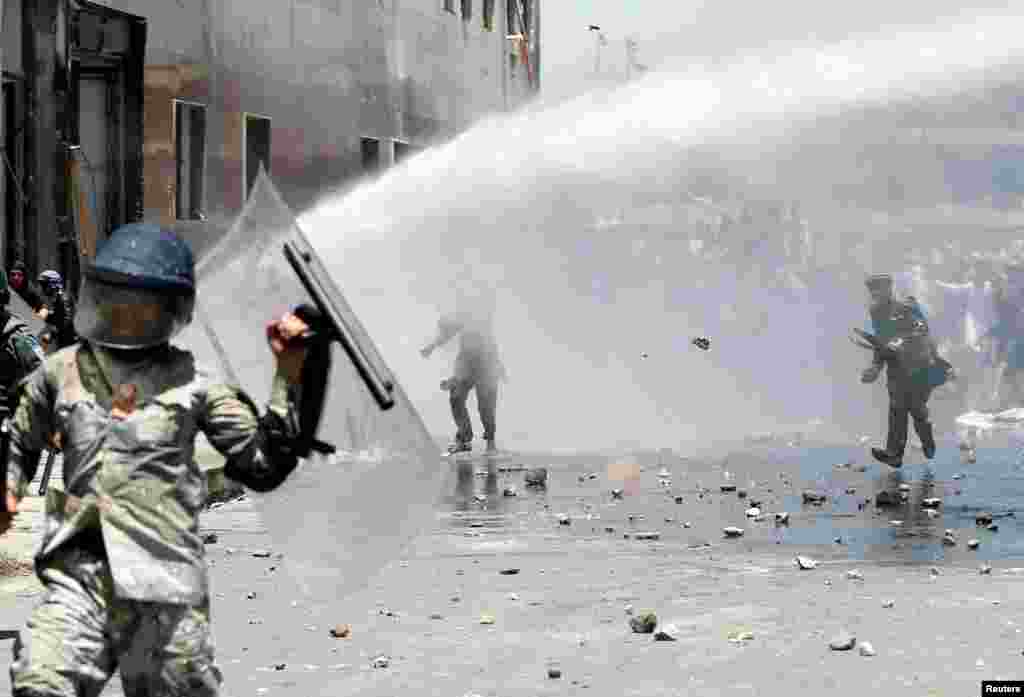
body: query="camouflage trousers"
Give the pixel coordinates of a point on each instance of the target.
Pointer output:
(80, 633)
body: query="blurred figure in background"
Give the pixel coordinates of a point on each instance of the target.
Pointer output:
(60, 308)
(25, 288)
(478, 365)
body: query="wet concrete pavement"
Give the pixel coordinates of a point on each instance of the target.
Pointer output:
(566, 606)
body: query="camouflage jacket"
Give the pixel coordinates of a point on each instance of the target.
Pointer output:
(20, 353)
(134, 477)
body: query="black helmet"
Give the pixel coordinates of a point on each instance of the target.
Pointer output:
(140, 289)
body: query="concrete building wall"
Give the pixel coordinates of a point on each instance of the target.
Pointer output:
(326, 73)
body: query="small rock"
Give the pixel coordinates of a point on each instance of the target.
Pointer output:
(838, 540)
(728, 488)
(210, 538)
(381, 662)
(805, 563)
(860, 468)
(983, 519)
(866, 649)
(554, 673)
(782, 518)
(753, 512)
(933, 571)
(341, 631)
(564, 519)
(972, 544)
(992, 527)
(633, 517)
(628, 610)
(850, 490)
(512, 596)
(647, 535)
(261, 554)
(486, 618)
(667, 633)
(843, 642)
(679, 499)
(905, 488)
(733, 532)
(509, 492)
(509, 572)
(985, 570)
(949, 538)
(855, 575)
(896, 523)
(958, 476)
(886, 498)
(814, 498)
(280, 666)
(686, 525)
(887, 604)
(436, 616)
(644, 623)
(739, 637)
(250, 595)
(609, 529)
(617, 493)
(741, 494)
(932, 514)
(537, 477)
(931, 503)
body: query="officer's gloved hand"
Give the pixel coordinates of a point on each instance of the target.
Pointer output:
(870, 374)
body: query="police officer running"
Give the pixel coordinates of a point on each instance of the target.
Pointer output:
(121, 559)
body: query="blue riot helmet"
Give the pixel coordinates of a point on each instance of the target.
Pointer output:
(139, 291)
(51, 282)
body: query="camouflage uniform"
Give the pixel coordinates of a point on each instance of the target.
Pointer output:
(121, 557)
(19, 355)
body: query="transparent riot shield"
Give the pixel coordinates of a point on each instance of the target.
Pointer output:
(339, 518)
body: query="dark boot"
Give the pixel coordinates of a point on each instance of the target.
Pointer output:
(887, 458)
(927, 435)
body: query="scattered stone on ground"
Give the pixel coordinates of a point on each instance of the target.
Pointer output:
(537, 477)
(644, 623)
(617, 493)
(972, 544)
(805, 563)
(728, 488)
(564, 519)
(855, 575)
(985, 570)
(931, 502)
(341, 631)
(647, 535)
(814, 498)
(11, 567)
(261, 554)
(983, 519)
(740, 635)
(782, 518)
(886, 498)
(888, 604)
(486, 618)
(554, 673)
(843, 642)
(866, 649)
(932, 514)
(509, 491)
(992, 527)
(667, 633)
(949, 538)
(381, 662)
(509, 572)
(753, 512)
(934, 571)
(210, 538)
(679, 499)
(732, 531)
(741, 493)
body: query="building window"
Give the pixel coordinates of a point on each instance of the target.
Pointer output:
(370, 151)
(467, 10)
(189, 159)
(449, 6)
(257, 148)
(488, 15)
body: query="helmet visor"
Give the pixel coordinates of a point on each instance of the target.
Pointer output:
(123, 317)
